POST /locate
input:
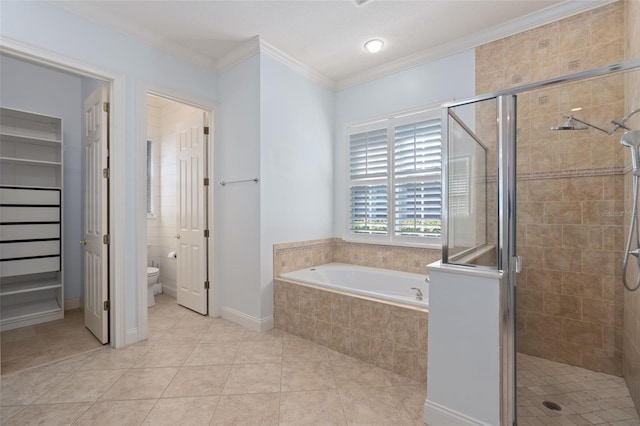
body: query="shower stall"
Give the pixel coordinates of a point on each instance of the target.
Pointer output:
(549, 213)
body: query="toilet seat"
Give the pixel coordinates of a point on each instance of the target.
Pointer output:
(152, 271)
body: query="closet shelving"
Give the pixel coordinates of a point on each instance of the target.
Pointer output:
(31, 276)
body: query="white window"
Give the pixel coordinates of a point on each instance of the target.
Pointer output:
(394, 180)
(150, 177)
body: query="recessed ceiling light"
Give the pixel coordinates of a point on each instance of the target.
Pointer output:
(374, 45)
(576, 109)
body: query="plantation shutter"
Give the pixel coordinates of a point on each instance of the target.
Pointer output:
(417, 164)
(368, 172)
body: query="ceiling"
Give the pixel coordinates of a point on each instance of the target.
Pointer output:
(326, 36)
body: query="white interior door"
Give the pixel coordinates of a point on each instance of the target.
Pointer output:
(96, 229)
(192, 282)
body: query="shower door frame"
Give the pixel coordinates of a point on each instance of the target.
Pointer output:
(507, 259)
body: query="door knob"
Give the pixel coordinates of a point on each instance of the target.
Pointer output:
(178, 236)
(83, 242)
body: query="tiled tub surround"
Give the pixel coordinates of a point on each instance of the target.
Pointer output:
(387, 335)
(299, 255)
(385, 285)
(305, 254)
(390, 336)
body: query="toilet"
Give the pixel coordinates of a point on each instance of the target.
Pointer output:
(152, 278)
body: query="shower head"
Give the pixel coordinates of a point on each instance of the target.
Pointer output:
(569, 125)
(631, 139)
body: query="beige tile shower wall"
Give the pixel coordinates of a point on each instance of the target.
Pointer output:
(631, 339)
(578, 43)
(386, 335)
(570, 187)
(570, 303)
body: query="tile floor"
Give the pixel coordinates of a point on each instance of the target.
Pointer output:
(43, 343)
(201, 371)
(195, 370)
(586, 397)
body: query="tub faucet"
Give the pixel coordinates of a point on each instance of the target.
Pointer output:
(418, 292)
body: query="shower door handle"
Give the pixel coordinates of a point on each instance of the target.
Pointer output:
(517, 264)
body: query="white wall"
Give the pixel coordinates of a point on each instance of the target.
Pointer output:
(276, 125)
(48, 27)
(439, 81)
(236, 228)
(296, 121)
(34, 88)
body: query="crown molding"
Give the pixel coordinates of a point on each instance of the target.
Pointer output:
(296, 65)
(258, 45)
(114, 22)
(551, 14)
(240, 54)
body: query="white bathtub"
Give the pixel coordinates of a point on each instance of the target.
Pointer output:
(381, 284)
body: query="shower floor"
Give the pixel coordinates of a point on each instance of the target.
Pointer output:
(584, 396)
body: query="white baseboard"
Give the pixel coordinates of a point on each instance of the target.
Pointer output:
(131, 336)
(252, 323)
(170, 291)
(74, 303)
(436, 415)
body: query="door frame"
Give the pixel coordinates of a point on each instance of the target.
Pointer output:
(144, 89)
(117, 116)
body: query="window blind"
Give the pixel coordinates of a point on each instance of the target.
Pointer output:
(369, 154)
(394, 177)
(417, 167)
(368, 165)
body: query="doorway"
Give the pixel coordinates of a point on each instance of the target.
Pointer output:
(178, 194)
(33, 81)
(35, 93)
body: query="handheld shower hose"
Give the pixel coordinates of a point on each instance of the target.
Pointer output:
(631, 139)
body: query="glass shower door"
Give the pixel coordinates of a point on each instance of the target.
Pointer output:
(479, 211)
